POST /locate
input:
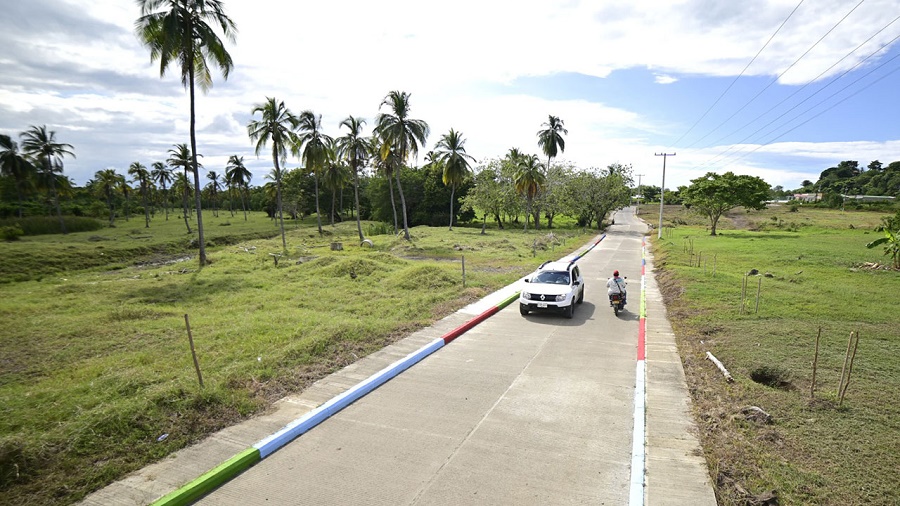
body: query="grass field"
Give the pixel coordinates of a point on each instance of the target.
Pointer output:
(812, 275)
(95, 365)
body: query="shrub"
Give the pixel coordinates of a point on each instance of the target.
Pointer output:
(11, 233)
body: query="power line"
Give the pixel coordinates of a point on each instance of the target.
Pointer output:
(792, 95)
(741, 74)
(735, 113)
(824, 111)
(742, 155)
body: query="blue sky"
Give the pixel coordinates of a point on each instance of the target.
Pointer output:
(628, 79)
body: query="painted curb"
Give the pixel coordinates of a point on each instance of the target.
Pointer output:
(212, 479)
(222, 473)
(638, 440)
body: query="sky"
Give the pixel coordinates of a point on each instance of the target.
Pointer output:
(780, 89)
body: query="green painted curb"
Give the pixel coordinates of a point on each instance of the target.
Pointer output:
(507, 301)
(212, 479)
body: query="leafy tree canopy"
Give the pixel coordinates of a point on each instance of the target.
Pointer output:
(715, 194)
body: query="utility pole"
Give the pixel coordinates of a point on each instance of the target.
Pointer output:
(637, 210)
(662, 191)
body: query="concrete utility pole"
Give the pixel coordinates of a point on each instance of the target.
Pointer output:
(662, 191)
(637, 210)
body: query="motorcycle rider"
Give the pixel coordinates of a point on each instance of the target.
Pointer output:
(616, 285)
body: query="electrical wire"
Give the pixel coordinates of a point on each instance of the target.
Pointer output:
(739, 75)
(735, 113)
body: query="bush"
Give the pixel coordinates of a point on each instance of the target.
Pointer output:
(11, 233)
(39, 225)
(378, 229)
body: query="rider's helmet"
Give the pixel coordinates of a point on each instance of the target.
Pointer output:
(616, 274)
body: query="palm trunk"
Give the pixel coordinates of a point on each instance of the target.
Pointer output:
(184, 203)
(393, 204)
(333, 197)
(244, 207)
(109, 205)
(452, 192)
(62, 223)
(278, 196)
(400, 189)
(19, 196)
(356, 201)
(146, 207)
(200, 238)
(318, 214)
(527, 212)
(403, 208)
(166, 201)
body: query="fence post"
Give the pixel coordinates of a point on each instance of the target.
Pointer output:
(464, 270)
(187, 324)
(812, 388)
(758, 288)
(743, 293)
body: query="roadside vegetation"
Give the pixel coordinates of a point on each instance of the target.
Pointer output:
(97, 378)
(814, 272)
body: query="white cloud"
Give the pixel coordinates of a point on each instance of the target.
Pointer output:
(98, 86)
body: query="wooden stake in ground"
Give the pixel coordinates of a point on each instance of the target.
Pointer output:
(758, 288)
(743, 293)
(849, 369)
(187, 324)
(812, 388)
(464, 270)
(721, 367)
(844, 368)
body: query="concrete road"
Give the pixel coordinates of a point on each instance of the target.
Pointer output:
(518, 410)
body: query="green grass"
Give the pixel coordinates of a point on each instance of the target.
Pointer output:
(811, 277)
(94, 360)
(33, 257)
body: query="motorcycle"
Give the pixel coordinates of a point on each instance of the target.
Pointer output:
(617, 301)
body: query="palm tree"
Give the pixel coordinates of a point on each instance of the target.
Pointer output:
(179, 30)
(386, 160)
(399, 131)
(106, 183)
(180, 156)
(182, 185)
(312, 146)
(239, 176)
(334, 176)
(142, 176)
(40, 144)
(14, 164)
(451, 153)
(162, 175)
(550, 139)
(276, 126)
(214, 188)
(529, 179)
(355, 150)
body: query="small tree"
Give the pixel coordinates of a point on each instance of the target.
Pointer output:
(891, 240)
(714, 194)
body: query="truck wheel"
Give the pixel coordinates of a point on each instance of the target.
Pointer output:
(523, 309)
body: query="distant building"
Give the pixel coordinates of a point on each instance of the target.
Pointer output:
(869, 198)
(808, 197)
